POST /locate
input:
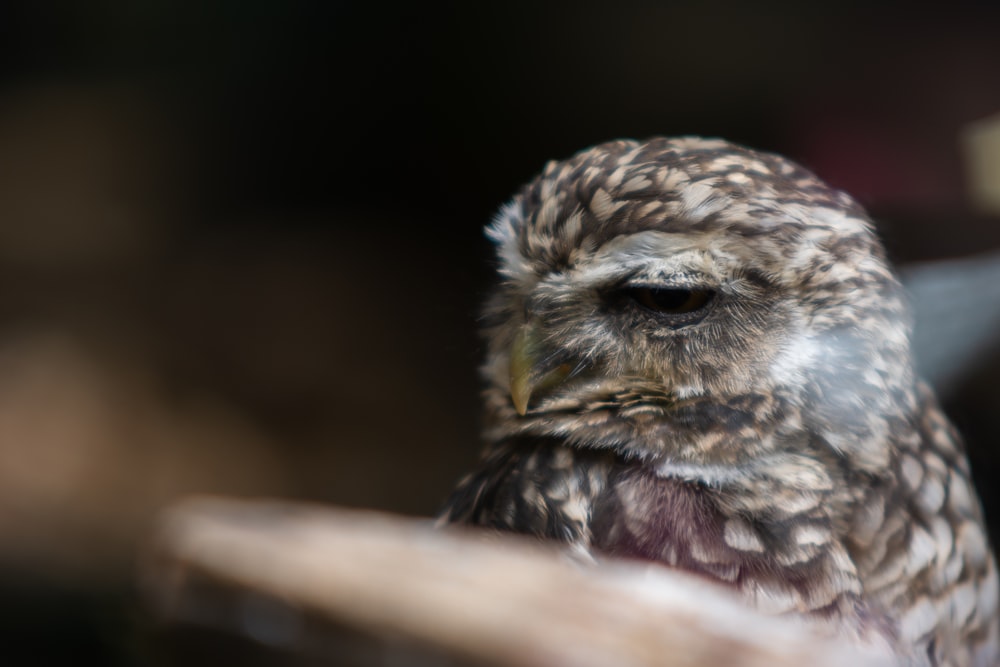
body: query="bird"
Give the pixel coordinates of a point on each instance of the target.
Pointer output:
(697, 355)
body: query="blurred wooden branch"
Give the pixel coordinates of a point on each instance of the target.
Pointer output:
(477, 597)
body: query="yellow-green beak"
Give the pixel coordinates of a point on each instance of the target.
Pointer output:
(528, 371)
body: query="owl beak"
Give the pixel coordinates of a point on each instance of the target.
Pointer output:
(528, 371)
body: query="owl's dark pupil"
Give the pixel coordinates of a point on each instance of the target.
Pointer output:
(670, 300)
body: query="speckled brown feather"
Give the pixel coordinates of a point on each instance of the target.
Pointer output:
(779, 443)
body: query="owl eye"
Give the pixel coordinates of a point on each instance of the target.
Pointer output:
(670, 300)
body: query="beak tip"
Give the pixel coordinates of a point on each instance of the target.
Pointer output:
(519, 396)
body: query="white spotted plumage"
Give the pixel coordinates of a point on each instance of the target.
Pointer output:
(711, 370)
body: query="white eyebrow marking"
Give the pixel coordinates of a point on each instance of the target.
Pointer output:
(652, 253)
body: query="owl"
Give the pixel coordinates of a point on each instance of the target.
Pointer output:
(698, 356)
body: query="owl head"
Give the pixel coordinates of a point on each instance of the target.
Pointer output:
(649, 291)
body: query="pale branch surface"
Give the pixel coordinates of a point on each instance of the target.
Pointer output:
(477, 597)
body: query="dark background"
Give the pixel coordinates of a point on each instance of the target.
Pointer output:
(241, 247)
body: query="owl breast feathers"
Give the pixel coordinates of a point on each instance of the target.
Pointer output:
(698, 356)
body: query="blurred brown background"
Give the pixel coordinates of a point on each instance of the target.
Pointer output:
(241, 249)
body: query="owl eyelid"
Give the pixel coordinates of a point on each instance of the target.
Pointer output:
(691, 287)
(677, 305)
(692, 283)
(658, 278)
